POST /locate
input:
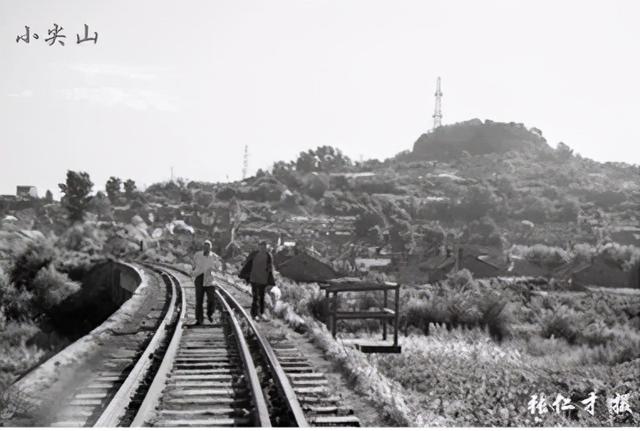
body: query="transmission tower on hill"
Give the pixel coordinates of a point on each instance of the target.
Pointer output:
(437, 113)
(245, 162)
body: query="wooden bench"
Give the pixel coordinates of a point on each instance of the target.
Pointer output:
(385, 314)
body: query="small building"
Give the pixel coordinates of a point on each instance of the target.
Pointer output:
(27, 192)
(522, 267)
(606, 273)
(483, 266)
(364, 264)
(626, 235)
(437, 267)
(302, 267)
(482, 262)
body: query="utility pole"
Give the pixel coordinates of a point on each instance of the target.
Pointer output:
(437, 113)
(245, 162)
(171, 173)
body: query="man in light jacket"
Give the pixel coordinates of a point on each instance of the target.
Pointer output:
(205, 263)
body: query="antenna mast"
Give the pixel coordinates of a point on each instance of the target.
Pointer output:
(437, 113)
(245, 162)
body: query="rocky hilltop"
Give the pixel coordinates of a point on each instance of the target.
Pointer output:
(475, 138)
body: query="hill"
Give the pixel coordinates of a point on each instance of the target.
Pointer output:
(475, 137)
(496, 185)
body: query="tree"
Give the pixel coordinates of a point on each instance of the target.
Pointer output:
(204, 199)
(366, 221)
(433, 238)
(477, 202)
(316, 185)
(76, 194)
(113, 188)
(306, 162)
(563, 151)
(324, 158)
(101, 206)
(129, 188)
(48, 197)
(227, 193)
(483, 232)
(284, 173)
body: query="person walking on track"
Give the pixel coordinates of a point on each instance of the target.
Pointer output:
(205, 263)
(258, 271)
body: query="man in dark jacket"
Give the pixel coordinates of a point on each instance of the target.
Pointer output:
(258, 271)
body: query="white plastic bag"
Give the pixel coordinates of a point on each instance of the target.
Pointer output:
(275, 294)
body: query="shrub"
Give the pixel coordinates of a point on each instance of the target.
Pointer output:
(483, 232)
(16, 356)
(367, 221)
(316, 185)
(559, 322)
(226, 194)
(493, 314)
(15, 303)
(37, 255)
(85, 237)
(545, 256)
(626, 256)
(459, 301)
(50, 288)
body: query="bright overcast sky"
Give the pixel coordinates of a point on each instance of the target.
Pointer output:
(188, 83)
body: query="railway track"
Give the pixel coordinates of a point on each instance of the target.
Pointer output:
(221, 373)
(121, 367)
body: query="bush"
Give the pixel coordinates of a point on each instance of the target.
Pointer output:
(545, 256)
(559, 322)
(316, 185)
(379, 186)
(50, 288)
(226, 194)
(626, 256)
(16, 357)
(483, 232)
(84, 237)
(493, 315)
(15, 303)
(37, 255)
(365, 222)
(459, 301)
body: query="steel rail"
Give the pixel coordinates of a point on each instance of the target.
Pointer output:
(117, 407)
(261, 413)
(279, 375)
(152, 397)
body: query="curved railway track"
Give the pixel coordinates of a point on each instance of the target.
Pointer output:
(222, 373)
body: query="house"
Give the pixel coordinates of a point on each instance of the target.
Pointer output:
(522, 267)
(27, 192)
(568, 271)
(302, 267)
(482, 262)
(484, 266)
(607, 273)
(364, 264)
(437, 267)
(626, 235)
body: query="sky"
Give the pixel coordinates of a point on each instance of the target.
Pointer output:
(187, 84)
